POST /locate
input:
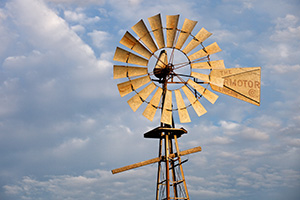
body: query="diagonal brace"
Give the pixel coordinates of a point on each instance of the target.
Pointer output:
(154, 160)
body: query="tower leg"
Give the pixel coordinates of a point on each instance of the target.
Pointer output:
(159, 168)
(165, 183)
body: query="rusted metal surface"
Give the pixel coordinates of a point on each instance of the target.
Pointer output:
(216, 64)
(187, 28)
(202, 35)
(199, 109)
(241, 83)
(128, 86)
(136, 101)
(132, 43)
(171, 26)
(157, 29)
(121, 71)
(151, 108)
(141, 30)
(122, 55)
(211, 97)
(182, 110)
(209, 50)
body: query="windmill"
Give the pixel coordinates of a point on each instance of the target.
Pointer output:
(157, 67)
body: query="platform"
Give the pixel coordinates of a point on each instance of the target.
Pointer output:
(159, 132)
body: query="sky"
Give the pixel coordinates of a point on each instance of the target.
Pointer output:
(64, 126)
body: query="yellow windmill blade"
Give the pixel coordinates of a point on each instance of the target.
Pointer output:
(214, 80)
(151, 108)
(122, 55)
(199, 109)
(216, 64)
(241, 83)
(182, 110)
(211, 49)
(141, 30)
(157, 29)
(132, 43)
(122, 71)
(171, 26)
(202, 35)
(210, 96)
(131, 85)
(166, 116)
(186, 30)
(136, 101)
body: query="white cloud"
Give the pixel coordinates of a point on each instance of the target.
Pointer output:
(79, 2)
(79, 16)
(100, 38)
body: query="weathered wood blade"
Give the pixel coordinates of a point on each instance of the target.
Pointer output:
(122, 55)
(210, 49)
(216, 64)
(187, 28)
(199, 109)
(151, 108)
(132, 43)
(154, 160)
(128, 86)
(166, 116)
(202, 35)
(171, 26)
(182, 111)
(121, 71)
(157, 29)
(210, 96)
(241, 83)
(136, 101)
(141, 30)
(214, 80)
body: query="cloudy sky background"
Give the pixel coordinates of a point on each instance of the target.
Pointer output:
(64, 126)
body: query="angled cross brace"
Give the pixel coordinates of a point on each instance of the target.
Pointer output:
(154, 160)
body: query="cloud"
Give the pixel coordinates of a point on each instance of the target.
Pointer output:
(99, 38)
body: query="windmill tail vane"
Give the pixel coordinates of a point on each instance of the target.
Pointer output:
(169, 68)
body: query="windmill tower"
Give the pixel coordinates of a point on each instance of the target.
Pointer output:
(159, 69)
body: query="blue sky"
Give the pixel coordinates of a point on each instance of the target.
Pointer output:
(64, 126)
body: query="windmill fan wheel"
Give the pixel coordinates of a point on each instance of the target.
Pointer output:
(159, 69)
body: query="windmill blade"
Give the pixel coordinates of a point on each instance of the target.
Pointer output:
(141, 30)
(186, 30)
(157, 29)
(241, 83)
(151, 108)
(171, 26)
(129, 41)
(182, 111)
(122, 55)
(210, 96)
(199, 109)
(121, 71)
(131, 85)
(202, 35)
(210, 49)
(216, 64)
(136, 101)
(166, 116)
(212, 79)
